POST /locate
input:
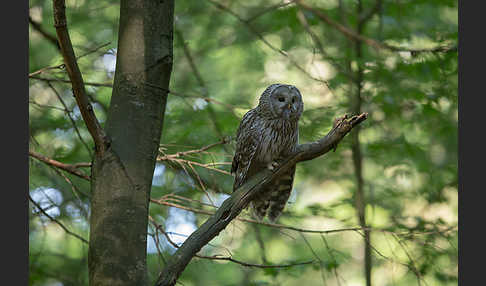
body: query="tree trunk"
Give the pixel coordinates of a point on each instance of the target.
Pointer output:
(357, 157)
(122, 176)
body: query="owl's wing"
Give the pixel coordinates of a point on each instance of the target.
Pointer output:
(247, 141)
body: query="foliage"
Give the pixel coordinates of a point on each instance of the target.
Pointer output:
(221, 66)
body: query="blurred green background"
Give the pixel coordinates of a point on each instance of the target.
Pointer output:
(225, 54)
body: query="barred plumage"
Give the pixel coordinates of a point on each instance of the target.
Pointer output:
(266, 134)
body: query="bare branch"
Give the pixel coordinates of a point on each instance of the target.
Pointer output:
(51, 38)
(256, 265)
(169, 199)
(56, 221)
(62, 66)
(32, 74)
(317, 42)
(228, 258)
(60, 23)
(73, 169)
(241, 197)
(97, 84)
(38, 105)
(68, 113)
(225, 140)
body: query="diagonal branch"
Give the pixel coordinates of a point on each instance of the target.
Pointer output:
(37, 26)
(364, 17)
(73, 169)
(269, 9)
(241, 197)
(317, 42)
(56, 221)
(60, 23)
(68, 113)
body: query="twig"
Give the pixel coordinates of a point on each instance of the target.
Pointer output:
(268, 9)
(323, 275)
(60, 23)
(56, 221)
(68, 113)
(190, 163)
(259, 239)
(95, 49)
(164, 200)
(225, 140)
(231, 259)
(46, 106)
(51, 38)
(412, 262)
(336, 274)
(70, 168)
(302, 19)
(97, 84)
(207, 99)
(256, 265)
(370, 42)
(62, 66)
(32, 74)
(178, 166)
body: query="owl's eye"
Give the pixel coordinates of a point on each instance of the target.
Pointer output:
(293, 99)
(281, 99)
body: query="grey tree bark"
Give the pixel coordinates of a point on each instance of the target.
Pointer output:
(122, 175)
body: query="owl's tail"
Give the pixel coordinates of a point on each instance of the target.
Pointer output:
(272, 200)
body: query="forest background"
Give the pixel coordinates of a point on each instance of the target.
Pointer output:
(394, 178)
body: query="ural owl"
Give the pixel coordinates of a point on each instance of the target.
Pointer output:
(267, 133)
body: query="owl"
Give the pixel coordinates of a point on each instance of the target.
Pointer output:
(266, 134)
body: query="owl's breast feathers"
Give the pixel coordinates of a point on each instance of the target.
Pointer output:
(259, 141)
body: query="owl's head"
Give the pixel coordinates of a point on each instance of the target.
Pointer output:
(281, 101)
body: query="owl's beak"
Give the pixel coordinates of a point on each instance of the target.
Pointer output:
(289, 106)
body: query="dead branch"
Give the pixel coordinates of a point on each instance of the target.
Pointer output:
(241, 197)
(70, 168)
